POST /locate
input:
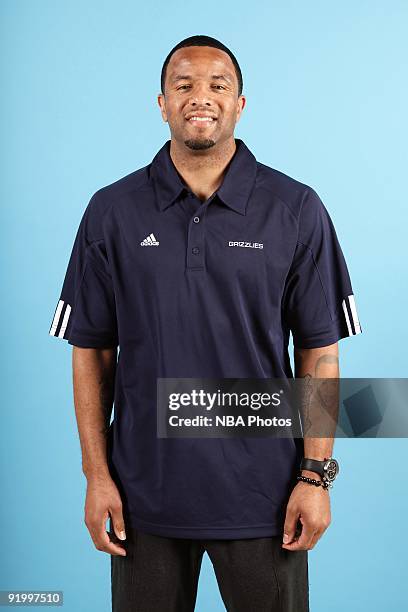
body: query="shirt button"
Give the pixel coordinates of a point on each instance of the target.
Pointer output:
(195, 250)
(196, 219)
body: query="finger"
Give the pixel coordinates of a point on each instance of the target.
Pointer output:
(111, 546)
(315, 539)
(101, 539)
(289, 527)
(304, 540)
(118, 522)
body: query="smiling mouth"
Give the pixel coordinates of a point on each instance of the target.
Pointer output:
(201, 121)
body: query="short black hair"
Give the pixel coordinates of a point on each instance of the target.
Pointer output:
(200, 40)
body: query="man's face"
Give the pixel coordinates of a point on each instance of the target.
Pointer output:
(200, 101)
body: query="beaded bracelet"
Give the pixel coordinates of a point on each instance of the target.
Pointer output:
(318, 483)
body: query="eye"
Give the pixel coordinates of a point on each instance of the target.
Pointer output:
(183, 87)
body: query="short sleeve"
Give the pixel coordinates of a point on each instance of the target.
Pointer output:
(318, 302)
(85, 313)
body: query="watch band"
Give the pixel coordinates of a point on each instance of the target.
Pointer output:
(313, 465)
(327, 469)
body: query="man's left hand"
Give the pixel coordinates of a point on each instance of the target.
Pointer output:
(311, 506)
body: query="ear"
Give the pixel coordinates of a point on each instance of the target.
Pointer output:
(162, 104)
(240, 106)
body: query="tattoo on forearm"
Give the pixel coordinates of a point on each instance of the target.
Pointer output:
(324, 360)
(322, 395)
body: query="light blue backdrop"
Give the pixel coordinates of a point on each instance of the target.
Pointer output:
(326, 95)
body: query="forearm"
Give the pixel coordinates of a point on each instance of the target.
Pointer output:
(93, 382)
(318, 363)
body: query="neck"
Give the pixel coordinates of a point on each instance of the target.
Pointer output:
(203, 170)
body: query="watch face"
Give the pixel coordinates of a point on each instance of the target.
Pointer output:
(331, 469)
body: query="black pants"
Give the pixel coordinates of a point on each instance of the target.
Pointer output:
(161, 574)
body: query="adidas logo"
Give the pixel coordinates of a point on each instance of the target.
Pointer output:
(150, 240)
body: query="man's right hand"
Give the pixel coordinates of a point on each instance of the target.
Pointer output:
(103, 499)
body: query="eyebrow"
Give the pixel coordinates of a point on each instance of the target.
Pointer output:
(182, 77)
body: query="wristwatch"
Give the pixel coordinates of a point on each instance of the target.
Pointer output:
(328, 469)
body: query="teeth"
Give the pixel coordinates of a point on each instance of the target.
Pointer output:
(200, 119)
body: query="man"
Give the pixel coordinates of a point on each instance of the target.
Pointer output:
(200, 264)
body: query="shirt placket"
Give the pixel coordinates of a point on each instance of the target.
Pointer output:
(195, 260)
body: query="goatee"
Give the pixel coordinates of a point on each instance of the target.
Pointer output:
(198, 145)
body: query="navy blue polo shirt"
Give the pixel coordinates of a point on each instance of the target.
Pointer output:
(208, 289)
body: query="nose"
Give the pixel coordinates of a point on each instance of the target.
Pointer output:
(200, 94)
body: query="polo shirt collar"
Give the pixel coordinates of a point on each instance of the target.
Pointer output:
(237, 185)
